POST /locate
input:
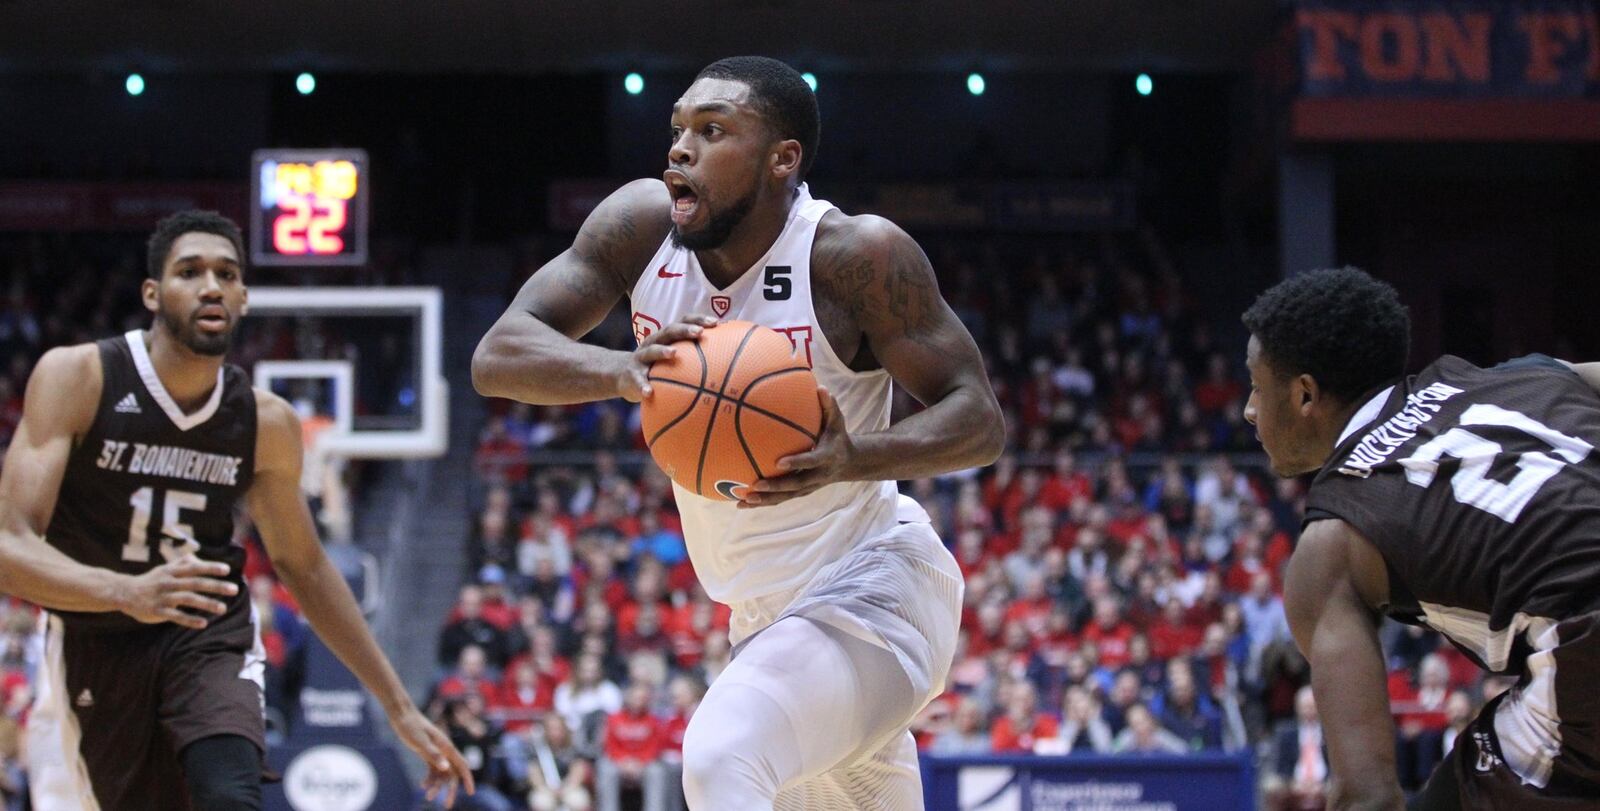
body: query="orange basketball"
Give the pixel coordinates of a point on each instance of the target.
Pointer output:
(724, 409)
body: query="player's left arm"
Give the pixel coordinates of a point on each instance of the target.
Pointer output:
(280, 513)
(879, 275)
(1336, 579)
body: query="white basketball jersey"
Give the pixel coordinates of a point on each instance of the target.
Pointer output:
(743, 554)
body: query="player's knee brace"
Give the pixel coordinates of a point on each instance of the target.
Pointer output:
(223, 773)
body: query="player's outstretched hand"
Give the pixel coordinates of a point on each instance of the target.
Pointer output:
(161, 594)
(632, 383)
(447, 769)
(806, 473)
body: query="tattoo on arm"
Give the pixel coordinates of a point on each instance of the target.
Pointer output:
(601, 245)
(910, 294)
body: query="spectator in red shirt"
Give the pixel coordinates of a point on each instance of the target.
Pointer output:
(501, 457)
(1109, 632)
(1420, 713)
(1219, 389)
(497, 610)
(646, 633)
(1022, 725)
(1032, 607)
(1066, 484)
(631, 759)
(523, 698)
(1172, 635)
(989, 635)
(470, 676)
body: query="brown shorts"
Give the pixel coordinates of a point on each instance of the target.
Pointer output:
(115, 709)
(1536, 746)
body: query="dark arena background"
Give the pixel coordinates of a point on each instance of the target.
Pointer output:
(1102, 186)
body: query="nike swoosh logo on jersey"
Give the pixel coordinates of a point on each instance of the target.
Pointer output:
(663, 274)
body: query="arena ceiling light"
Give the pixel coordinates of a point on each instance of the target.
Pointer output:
(811, 80)
(134, 84)
(633, 83)
(1144, 85)
(305, 83)
(975, 84)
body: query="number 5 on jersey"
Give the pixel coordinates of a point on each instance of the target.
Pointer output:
(173, 503)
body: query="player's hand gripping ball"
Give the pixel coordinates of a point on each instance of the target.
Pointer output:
(725, 408)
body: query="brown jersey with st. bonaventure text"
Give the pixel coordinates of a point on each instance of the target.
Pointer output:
(147, 480)
(1481, 488)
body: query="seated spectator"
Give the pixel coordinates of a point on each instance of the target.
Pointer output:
(646, 634)
(497, 608)
(501, 458)
(1083, 731)
(1022, 725)
(554, 591)
(968, 733)
(1126, 691)
(1172, 635)
(558, 773)
(630, 754)
(691, 624)
(470, 677)
(491, 543)
(524, 697)
(1109, 632)
(1298, 777)
(478, 740)
(470, 628)
(1145, 736)
(1187, 713)
(586, 699)
(1264, 618)
(1152, 671)
(1032, 607)
(663, 544)
(1420, 719)
(1038, 530)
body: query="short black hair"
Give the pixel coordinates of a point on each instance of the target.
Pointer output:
(782, 97)
(1346, 329)
(188, 222)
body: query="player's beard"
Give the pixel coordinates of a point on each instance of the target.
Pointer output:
(718, 228)
(201, 343)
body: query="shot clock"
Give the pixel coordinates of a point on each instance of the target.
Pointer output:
(308, 207)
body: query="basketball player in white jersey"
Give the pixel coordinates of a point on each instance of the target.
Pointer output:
(845, 603)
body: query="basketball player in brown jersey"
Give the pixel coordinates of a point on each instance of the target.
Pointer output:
(116, 515)
(846, 605)
(1460, 498)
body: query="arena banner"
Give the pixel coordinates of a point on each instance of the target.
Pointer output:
(1440, 70)
(1044, 207)
(1201, 782)
(30, 205)
(1449, 48)
(336, 777)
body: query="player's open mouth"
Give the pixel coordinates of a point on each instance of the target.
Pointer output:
(214, 319)
(685, 200)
